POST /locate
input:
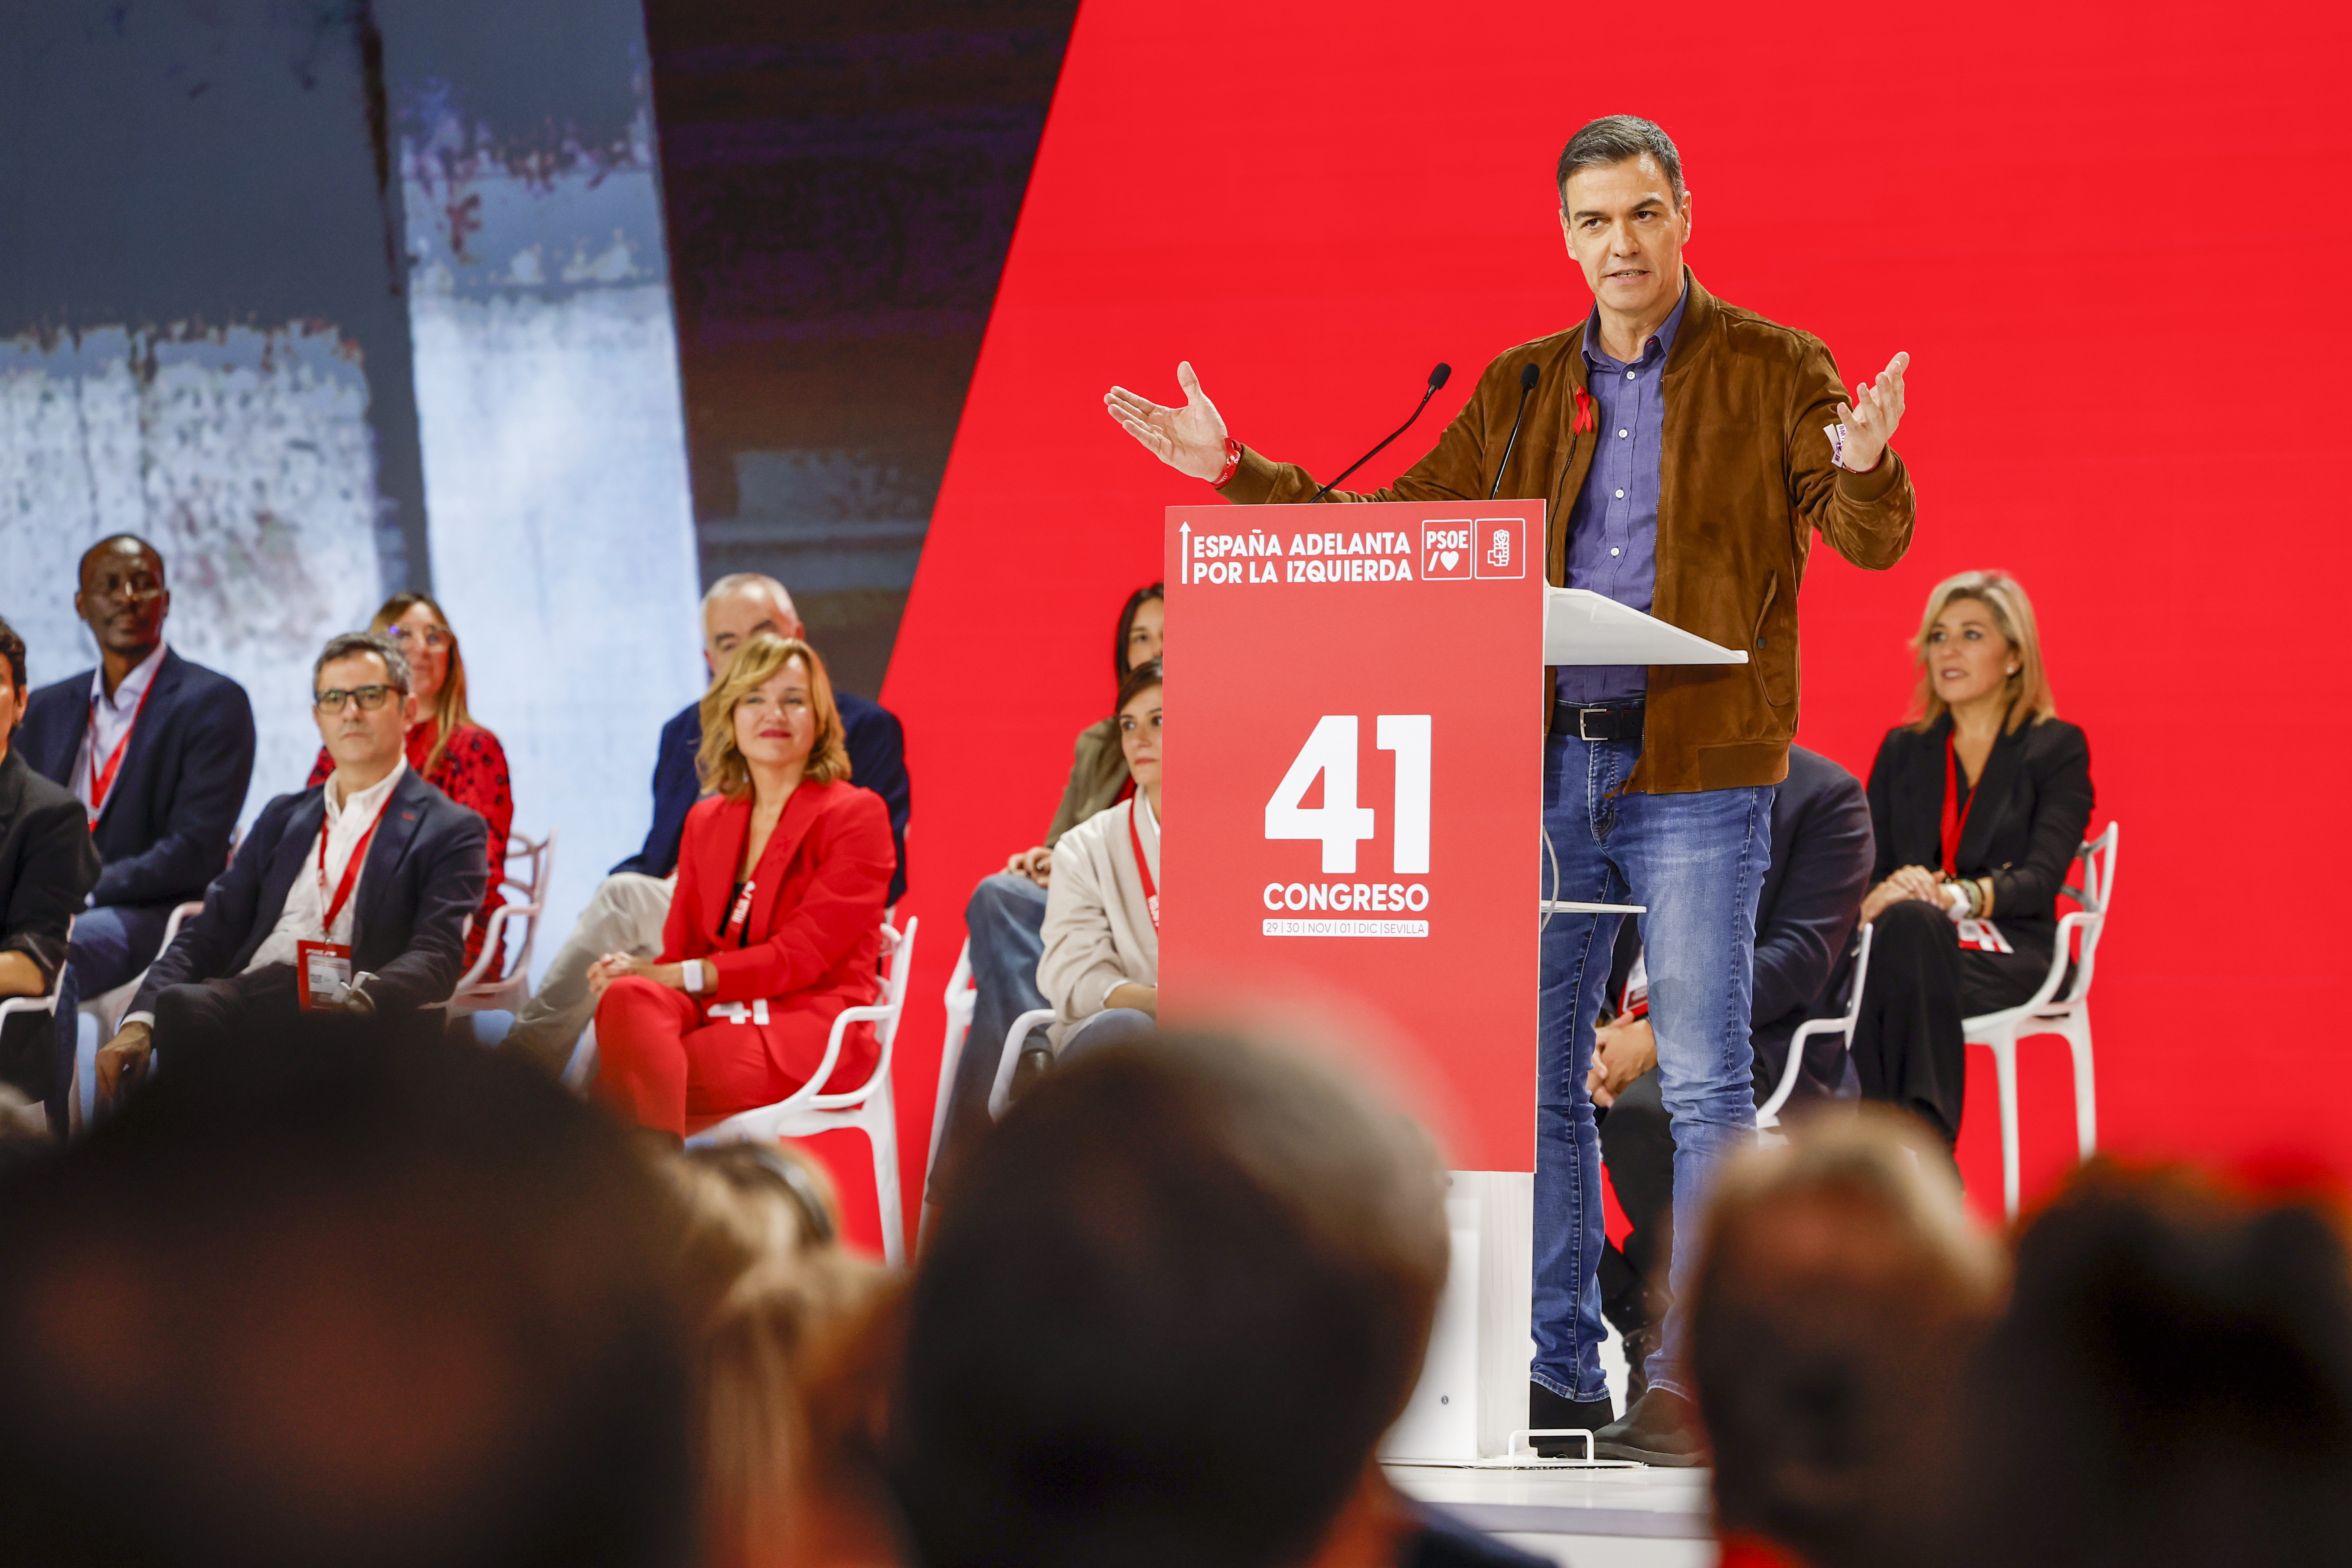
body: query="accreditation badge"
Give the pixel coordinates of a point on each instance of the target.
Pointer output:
(326, 971)
(1984, 937)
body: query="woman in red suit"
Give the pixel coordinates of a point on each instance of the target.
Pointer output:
(776, 924)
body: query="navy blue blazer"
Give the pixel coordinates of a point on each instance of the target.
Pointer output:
(165, 831)
(1806, 913)
(423, 877)
(878, 761)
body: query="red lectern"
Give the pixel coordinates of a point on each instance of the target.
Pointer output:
(1354, 779)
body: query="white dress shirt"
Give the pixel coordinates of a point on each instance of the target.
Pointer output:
(306, 906)
(110, 721)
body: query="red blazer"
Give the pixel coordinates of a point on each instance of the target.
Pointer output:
(815, 931)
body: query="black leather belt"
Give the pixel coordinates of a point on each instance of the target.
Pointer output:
(1609, 721)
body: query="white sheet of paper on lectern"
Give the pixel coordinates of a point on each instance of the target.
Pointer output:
(1581, 626)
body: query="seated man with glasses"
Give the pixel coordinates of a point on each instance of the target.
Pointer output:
(350, 895)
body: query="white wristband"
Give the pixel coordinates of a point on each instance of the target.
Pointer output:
(1956, 901)
(693, 976)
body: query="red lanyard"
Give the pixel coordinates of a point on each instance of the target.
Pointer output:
(1956, 818)
(351, 869)
(102, 783)
(1142, 866)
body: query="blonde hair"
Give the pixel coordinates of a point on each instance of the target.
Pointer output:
(739, 1207)
(794, 1368)
(449, 704)
(755, 662)
(2028, 691)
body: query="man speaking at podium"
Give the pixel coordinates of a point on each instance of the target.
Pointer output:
(1687, 450)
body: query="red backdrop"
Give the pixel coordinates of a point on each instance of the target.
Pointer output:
(2108, 234)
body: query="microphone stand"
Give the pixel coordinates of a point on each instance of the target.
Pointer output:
(1437, 378)
(1529, 376)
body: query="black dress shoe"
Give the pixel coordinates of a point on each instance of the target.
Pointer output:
(1547, 1410)
(1661, 1429)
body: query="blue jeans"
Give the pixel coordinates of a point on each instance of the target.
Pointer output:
(113, 943)
(1696, 862)
(1005, 923)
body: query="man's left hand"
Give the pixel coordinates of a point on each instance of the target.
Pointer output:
(1621, 1053)
(1870, 418)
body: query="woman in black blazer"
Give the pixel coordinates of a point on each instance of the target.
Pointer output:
(47, 866)
(1978, 807)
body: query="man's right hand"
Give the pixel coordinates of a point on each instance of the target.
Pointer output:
(1191, 439)
(122, 1060)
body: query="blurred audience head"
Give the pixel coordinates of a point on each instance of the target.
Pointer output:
(1840, 1291)
(12, 670)
(1171, 1304)
(123, 598)
(739, 605)
(742, 1206)
(414, 624)
(360, 695)
(1140, 623)
(796, 1366)
(1139, 724)
(1978, 639)
(337, 1297)
(2171, 1384)
(771, 705)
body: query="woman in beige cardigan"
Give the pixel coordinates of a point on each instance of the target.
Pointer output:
(1101, 966)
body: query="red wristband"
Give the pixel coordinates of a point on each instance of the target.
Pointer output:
(1233, 464)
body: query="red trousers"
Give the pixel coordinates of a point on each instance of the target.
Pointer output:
(662, 1062)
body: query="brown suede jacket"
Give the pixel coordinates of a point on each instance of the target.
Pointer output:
(1746, 479)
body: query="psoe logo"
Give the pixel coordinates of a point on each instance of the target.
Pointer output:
(1502, 547)
(1446, 548)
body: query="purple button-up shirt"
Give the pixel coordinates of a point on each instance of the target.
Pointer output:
(1612, 543)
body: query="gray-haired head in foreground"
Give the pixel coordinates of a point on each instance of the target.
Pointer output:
(1618, 138)
(395, 663)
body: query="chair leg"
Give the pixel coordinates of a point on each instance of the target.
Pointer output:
(2004, 1065)
(882, 1132)
(2086, 1103)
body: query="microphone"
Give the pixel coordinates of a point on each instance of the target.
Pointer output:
(1437, 378)
(1529, 376)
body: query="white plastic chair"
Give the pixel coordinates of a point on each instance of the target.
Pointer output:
(478, 991)
(1767, 1115)
(45, 1005)
(2049, 1013)
(1000, 1094)
(960, 999)
(107, 1010)
(868, 1108)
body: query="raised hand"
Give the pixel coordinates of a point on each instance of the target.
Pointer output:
(1870, 418)
(1191, 439)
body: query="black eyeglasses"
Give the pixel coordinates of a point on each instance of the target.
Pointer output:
(369, 698)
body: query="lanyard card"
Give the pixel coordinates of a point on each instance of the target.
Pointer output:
(326, 971)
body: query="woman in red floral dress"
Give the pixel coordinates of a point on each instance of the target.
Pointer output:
(458, 756)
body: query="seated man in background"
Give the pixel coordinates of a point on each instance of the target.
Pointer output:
(1171, 1304)
(1806, 913)
(160, 753)
(336, 1302)
(626, 913)
(349, 895)
(48, 865)
(1840, 1296)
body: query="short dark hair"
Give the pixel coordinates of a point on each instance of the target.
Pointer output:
(1140, 680)
(320, 1386)
(2171, 1382)
(1614, 139)
(1172, 1302)
(12, 649)
(346, 644)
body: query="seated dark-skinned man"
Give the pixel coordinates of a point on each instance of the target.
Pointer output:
(1806, 914)
(352, 895)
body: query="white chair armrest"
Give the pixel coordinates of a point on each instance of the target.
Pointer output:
(47, 1004)
(1767, 1115)
(874, 1014)
(493, 942)
(1000, 1094)
(2067, 926)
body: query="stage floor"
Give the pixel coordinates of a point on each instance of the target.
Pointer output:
(1640, 1518)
